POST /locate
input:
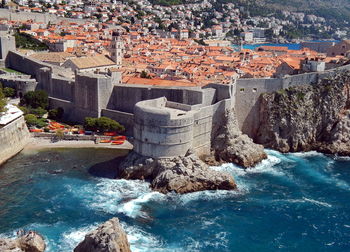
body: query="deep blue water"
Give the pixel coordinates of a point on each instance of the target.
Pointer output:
(293, 202)
(290, 46)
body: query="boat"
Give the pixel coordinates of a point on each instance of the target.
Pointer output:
(110, 133)
(118, 142)
(119, 138)
(36, 130)
(105, 141)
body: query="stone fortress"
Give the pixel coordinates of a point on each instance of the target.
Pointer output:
(164, 121)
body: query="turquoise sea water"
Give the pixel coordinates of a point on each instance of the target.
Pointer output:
(292, 202)
(290, 46)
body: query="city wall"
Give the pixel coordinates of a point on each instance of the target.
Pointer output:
(248, 92)
(36, 17)
(96, 95)
(136, 93)
(164, 129)
(13, 137)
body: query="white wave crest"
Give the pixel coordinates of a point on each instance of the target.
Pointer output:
(265, 166)
(306, 154)
(107, 195)
(133, 208)
(142, 241)
(73, 237)
(305, 200)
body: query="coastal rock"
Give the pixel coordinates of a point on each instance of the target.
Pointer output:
(310, 117)
(28, 242)
(232, 146)
(108, 237)
(178, 174)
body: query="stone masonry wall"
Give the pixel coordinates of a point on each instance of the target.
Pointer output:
(13, 137)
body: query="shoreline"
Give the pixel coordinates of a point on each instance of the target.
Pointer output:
(36, 143)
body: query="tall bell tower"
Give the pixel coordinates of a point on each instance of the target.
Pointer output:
(116, 49)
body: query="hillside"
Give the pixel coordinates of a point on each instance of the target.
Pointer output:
(334, 11)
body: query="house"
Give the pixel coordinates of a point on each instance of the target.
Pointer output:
(288, 66)
(247, 36)
(91, 63)
(54, 58)
(340, 48)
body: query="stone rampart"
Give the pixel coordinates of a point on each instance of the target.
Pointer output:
(137, 93)
(24, 64)
(62, 88)
(67, 106)
(13, 137)
(161, 132)
(22, 83)
(36, 17)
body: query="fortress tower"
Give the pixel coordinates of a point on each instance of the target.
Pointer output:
(116, 49)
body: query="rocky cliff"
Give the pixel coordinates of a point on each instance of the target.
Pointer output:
(178, 174)
(310, 117)
(230, 145)
(108, 237)
(27, 242)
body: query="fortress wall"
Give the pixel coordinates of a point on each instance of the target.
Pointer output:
(209, 96)
(299, 79)
(158, 133)
(202, 128)
(141, 93)
(24, 16)
(125, 119)
(21, 85)
(222, 91)
(104, 89)
(85, 97)
(248, 92)
(24, 64)
(13, 137)
(67, 106)
(37, 17)
(62, 89)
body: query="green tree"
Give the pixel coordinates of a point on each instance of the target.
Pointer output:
(31, 120)
(56, 114)
(41, 123)
(102, 124)
(38, 111)
(9, 92)
(90, 123)
(36, 99)
(2, 101)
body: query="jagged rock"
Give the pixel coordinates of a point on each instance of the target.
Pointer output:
(29, 242)
(232, 146)
(108, 237)
(178, 174)
(310, 117)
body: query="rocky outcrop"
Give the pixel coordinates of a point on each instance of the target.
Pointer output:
(108, 237)
(178, 174)
(310, 117)
(28, 242)
(232, 146)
